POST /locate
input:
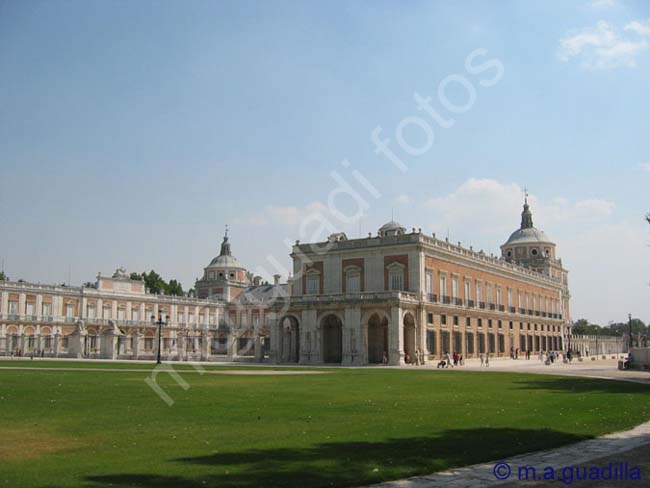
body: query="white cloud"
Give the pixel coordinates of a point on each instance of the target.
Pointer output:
(641, 28)
(644, 166)
(283, 216)
(404, 200)
(603, 4)
(601, 47)
(594, 244)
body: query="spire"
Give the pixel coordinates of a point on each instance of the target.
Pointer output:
(526, 215)
(225, 245)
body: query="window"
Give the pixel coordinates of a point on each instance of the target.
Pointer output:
(135, 314)
(468, 291)
(443, 285)
(29, 308)
(107, 312)
(489, 323)
(121, 313)
(534, 252)
(396, 277)
(454, 287)
(352, 280)
(429, 318)
(190, 318)
(180, 318)
(13, 308)
(47, 309)
(456, 320)
(69, 310)
(468, 322)
(479, 323)
(498, 296)
(91, 311)
(479, 291)
(313, 282)
(510, 298)
(429, 283)
(443, 319)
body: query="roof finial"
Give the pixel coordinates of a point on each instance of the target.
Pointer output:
(226, 235)
(525, 196)
(392, 214)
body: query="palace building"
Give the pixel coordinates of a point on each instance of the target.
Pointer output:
(387, 297)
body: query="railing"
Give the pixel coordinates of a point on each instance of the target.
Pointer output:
(512, 309)
(458, 301)
(481, 304)
(492, 306)
(432, 298)
(502, 308)
(446, 300)
(470, 303)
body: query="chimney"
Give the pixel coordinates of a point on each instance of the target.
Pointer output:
(276, 279)
(257, 280)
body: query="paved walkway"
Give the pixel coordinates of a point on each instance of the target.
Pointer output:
(602, 448)
(232, 372)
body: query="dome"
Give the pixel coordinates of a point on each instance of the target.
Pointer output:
(229, 262)
(527, 233)
(528, 236)
(391, 228)
(225, 259)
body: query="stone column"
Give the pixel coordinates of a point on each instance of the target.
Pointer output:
(421, 334)
(109, 343)
(205, 346)
(351, 335)
(396, 337)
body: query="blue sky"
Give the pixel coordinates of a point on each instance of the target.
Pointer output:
(132, 132)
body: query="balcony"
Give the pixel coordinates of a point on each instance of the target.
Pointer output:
(446, 300)
(492, 306)
(481, 305)
(458, 301)
(529, 312)
(432, 298)
(522, 311)
(470, 303)
(502, 308)
(512, 309)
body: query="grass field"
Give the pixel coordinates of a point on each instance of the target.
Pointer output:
(345, 428)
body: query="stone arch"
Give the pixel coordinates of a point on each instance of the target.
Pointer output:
(46, 331)
(377, 338)
(289, 339)
(12, 329)
(332, 344)
(29, 330)
(408, 322)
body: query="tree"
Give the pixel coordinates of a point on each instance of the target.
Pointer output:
(136, 277)
(174, 288)
(3, 276)
(154, 283)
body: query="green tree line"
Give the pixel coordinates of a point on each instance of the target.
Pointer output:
(156, 284)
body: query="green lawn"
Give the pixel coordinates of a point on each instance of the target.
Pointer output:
(345, 428)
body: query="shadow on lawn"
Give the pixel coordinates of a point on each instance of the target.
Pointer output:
(347, 463)
(572, 384)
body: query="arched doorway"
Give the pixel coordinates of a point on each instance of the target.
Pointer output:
(377, 339)
(332, 330)
(289, 340)
(409, 338)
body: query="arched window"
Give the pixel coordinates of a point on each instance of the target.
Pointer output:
(312, 278)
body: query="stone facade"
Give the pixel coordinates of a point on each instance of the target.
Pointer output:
(388, 298)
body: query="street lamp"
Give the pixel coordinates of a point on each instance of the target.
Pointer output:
(159, 323)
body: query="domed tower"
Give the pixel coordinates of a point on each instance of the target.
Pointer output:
(532, 248)
(224, 277)
(529, 246)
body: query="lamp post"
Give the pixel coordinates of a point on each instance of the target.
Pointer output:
(629, 337)
(159, 323)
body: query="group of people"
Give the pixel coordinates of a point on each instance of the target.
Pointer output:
(449, 361)
(18, 353)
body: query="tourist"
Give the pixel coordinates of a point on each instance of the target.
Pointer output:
(449, 362)
(384, 360)
(517, 353)
(628, 361)
(487, 360)
(482, 360)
